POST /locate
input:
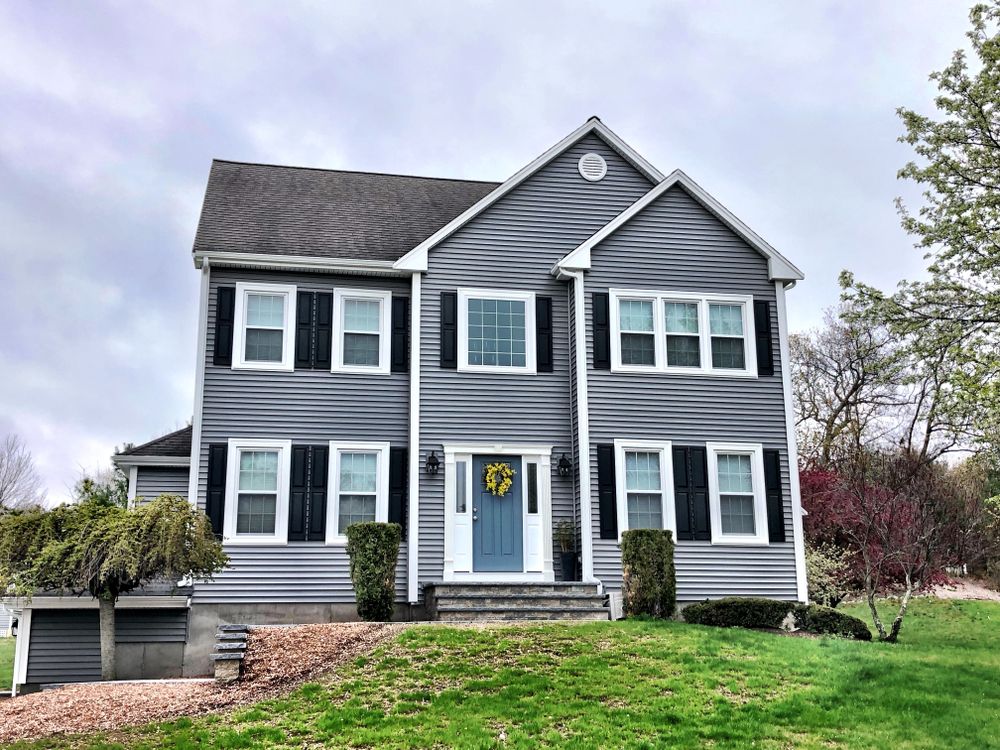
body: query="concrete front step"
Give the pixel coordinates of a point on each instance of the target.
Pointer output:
(510, 589)
(520, 601)
(487, 614)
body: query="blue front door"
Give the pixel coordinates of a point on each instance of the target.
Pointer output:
(498, 522)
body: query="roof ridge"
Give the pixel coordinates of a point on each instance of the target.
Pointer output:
(354, 171)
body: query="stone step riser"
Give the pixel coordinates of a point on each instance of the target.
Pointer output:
(502, 589)
(513, 602)
(520, 616)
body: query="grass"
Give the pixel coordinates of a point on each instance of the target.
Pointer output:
(632, 684)
(6, 663)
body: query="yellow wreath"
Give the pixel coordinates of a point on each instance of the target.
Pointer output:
(498, 478)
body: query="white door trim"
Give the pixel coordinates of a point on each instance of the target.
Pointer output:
(537, 530)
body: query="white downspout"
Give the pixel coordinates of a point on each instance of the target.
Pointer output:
(793, 452)
(583, 425)
(199, 386)
(413, 513)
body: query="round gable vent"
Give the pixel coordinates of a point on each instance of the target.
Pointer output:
(592, 167)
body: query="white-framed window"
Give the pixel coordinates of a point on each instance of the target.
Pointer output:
(361, 324)
(682, 333)
(359, 480)
(496, 331)
(257, 491)
(263, 320)
(644, 475)
(737, 500)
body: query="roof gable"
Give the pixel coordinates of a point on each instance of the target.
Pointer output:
(779, 267)
(416, 259)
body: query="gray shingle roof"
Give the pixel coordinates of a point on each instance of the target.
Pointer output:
(175, 444)
(261, 208)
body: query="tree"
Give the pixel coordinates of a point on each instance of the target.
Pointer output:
(107, 486)
(105, 550)
(956, 311)
(20, 484)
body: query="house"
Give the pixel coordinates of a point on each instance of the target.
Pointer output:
(370, 345)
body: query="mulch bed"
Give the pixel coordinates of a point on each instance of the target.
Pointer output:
(278, 659)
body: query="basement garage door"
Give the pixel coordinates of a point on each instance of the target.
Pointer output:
(65, 644)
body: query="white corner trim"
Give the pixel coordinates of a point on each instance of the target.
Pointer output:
(21, 646)
(384, 298)
(668, 512)
(530, 332)
(133, 480)
(756, 451)
(779, 267)
(199, 385)
(280, 535)
(243, 290)
(413, 495)
(416, 259)
(583, 426)
(798, 538)
(381, 449)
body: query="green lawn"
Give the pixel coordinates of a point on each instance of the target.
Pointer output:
(635, 684)
(6, 663)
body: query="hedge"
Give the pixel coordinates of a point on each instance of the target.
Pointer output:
(739, 612)
(817, 619)
(373, 549)
(649, 586)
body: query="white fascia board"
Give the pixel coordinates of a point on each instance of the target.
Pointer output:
(126, 461)
(416, 259)
(296, 263)
(89, 602)
(779, 268)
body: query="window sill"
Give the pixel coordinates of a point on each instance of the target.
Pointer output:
(681, 372)
(264, 367)
(740, 541)
(254, 541)
(498, 370)
(357, 370)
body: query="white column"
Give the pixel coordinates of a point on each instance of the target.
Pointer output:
(413, 514)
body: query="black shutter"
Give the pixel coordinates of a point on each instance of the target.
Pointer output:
(449, 330)
(397, 486)
(305, 314)
(225, 310)
(298, 493)
(543, 333)
(762, 334)
(400, 334)
(307, 494)
(606, 491)
(691, 493)
(772, 490)
(602, 330)
(323, 323)
(319, 473)
(215, 498)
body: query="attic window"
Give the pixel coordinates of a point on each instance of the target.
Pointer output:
(592, 167)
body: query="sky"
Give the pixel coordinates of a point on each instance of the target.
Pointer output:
(110, 114)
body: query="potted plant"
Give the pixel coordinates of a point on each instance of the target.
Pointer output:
(566, 537)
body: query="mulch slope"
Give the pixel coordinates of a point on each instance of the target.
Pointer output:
(277, 660)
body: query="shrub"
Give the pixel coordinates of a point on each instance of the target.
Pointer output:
(649, 586)
(373, 549)
(817, 619)
(827, 570)
(739, 612)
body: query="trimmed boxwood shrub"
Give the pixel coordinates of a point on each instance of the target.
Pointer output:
(648, 581)
(373, 549)
(817, 619)
(739, 612)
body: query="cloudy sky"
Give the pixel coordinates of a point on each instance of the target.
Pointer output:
(111, 112)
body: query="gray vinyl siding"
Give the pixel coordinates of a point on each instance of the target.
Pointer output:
(677, 245)
(65, 646)
(305, 406)
(512, 245)
(153, 481)
(151, 625)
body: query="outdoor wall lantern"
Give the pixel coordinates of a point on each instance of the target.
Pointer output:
(565, 467)
(433, 463)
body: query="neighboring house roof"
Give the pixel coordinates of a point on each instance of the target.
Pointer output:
(323, 213)
(171, 449)
(779, 267)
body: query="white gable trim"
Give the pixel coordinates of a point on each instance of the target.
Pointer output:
(779, 267)
(416, 259)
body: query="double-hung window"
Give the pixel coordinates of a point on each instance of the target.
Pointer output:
(263, 321)
(257, 492)
(736, 492)
(681, 333)
(362, 330)
(360, 478)
(643, 473)
(496, 331)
